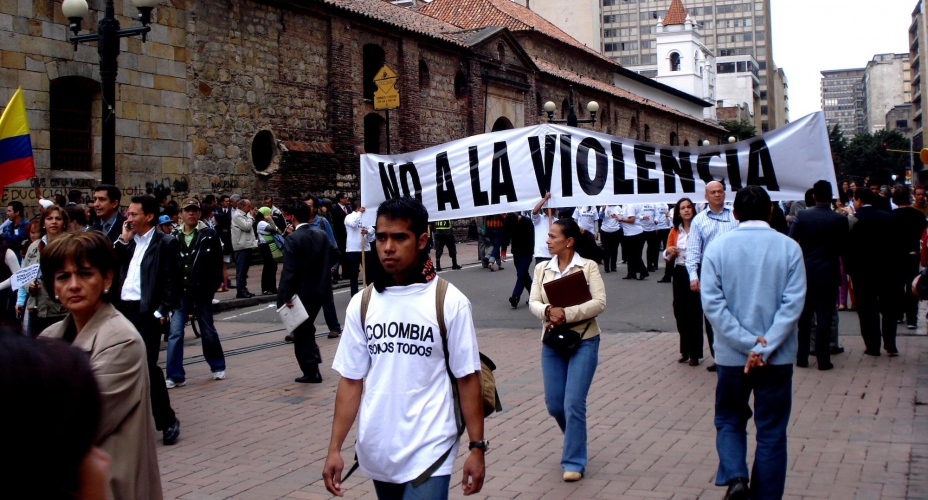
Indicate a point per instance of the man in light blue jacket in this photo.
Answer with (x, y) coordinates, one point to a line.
(753, 292)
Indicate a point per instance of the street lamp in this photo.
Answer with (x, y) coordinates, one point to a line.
(572, 120)
(732, 140)
(107, 38)
(705, 142)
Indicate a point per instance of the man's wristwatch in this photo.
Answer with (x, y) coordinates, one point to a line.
(480, 445)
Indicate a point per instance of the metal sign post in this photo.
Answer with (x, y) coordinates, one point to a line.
(386, 97)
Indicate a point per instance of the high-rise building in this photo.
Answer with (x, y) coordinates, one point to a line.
(918, 65)
(843, 100)
(728, 29)
(886, 84)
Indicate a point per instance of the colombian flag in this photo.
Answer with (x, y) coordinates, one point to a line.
(16, 161)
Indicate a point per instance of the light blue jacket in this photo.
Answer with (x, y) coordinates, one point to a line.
(753, 284)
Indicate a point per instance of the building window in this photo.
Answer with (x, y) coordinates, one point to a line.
(71, 129)
(674, 61)
(686, 142)
(425, 78)
(673, 138)
(565, 109)
(460, 85)
(501, 51)
(502, 123)
(263, 150)
(633, 129)
(647, 133)
(763, 109)
(374, 59)
(902, 124)
(374, 133)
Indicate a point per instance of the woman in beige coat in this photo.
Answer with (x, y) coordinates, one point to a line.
(33, 303)
(78, 270)
(568, 375)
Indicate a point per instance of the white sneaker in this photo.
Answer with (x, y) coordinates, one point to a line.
(172, 384)
(219, 375)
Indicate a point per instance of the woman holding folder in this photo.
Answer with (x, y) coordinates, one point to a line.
(568, 366)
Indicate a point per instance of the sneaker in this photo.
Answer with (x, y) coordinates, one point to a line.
(172, 384)
(911, 326)
(455, 267)
(220, 375)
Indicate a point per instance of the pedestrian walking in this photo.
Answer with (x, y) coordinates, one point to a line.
(687, 308)
(754, 300)
(147, 281)
(321, 224)
(308, 258)
(610, 234)
(358, 242)
(80, 269)
(444, 237)
(408, 428)
(520, 232)
(224, 228)
(494, 234)
(270, 253)
(822, 235)
(542, 220)
(910, 224)
(243, 242)
(633, 238)
(200, 270)
(568, 371)
(707, 225)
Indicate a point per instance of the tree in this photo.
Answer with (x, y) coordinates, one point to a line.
(741, 129)
(838, 150)
(868, 157)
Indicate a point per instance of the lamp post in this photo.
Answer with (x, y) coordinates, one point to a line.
(572, 120)
(732, 140)
(107, 38)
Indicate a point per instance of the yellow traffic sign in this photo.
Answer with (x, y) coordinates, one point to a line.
(386, 96)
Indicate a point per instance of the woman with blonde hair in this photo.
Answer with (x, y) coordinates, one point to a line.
(33, 304)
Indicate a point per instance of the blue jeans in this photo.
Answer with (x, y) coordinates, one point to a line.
(434, 488)
(523, 278)
(202, 308)
(495, 236)
(242, 263)
(772, 386)
(567, 380)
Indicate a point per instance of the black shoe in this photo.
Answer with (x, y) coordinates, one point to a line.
(607, 271)
(306, 379)
(911, 326)
(738, 490)
(872, 353)
(269, 292)
(823, 368)
(802, 364)
(628, 278)
(642, 278)
(229, 285)
(836, 350)
(455, 267)
(244, 295)
(711, 368)
(334, 335)
(486, 263)
(437, 269)
(683, 359)
(893, 353)
(664, 280)
(694, 362)
(169, 435)
(288, 338)
(514, 301)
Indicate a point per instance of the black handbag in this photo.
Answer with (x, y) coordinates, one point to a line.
(563, 339)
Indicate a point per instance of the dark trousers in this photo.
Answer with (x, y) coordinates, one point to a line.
(269, 273)
(36, 325)
(662, 235)
(443, 240)
(878, 300)
(653, 240)
(820, 304)
(331, 317)
(772, 387)
(687, 309)
(353, 266)
(611, 246)
(523, 278)
(149, 328)
(242, 263)
(304, 343)
(909, 305)
(631, 250)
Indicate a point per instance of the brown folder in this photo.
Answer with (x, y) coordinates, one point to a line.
(568, 291)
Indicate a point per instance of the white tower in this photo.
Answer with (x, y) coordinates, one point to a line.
(683, 61)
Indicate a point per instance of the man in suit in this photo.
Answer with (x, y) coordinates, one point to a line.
(910, 224)
(308, 257)
(822, 235)
(148, 265)
(106, 205)
(871, 249)
(223, 218)
(339, 212)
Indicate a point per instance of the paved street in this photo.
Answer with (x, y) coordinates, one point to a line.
(857, 432)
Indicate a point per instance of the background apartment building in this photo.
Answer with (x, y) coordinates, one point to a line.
(918, 66)
(843, 100)
(728, 29)
(886, 84)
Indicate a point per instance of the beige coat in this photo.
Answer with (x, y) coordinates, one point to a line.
(582, 314)
(127, 428)
(47, 306)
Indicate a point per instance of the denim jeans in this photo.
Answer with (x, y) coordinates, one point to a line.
(242, 263)
(434, 488)
(772, 386)
(495, 236)
(567, 380)
(202, 308)
(523, 278)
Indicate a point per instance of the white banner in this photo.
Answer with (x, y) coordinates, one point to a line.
(24, 276)
(510, 171)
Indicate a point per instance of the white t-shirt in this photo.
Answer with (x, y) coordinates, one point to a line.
(646, 217)
(586, 218)
(630, 228)
(542, 224)
(406, 420)
(609, 224)
(661, 221)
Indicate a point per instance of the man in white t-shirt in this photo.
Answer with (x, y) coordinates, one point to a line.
(407, 419)
(632, 243)
(542, 218)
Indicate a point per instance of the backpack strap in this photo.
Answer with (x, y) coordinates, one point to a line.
(365, 301)
(441, 290)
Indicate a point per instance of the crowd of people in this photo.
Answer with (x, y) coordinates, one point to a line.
(762, 280)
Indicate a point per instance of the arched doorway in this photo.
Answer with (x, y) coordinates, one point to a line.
(375, 135)
(502, 123)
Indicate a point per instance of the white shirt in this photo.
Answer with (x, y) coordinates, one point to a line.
(681, 247)
(661, 221)
(586, 218)
(576, 261)
(12, 263)
(645, 217)
(610, 225)
(353, 227)
(631, 228)
(542, 224)
(406, 419)
(132, 287)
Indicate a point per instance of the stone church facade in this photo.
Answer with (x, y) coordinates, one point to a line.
(274, 97)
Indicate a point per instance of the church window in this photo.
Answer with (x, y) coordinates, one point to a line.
(374, 59)
(674, 61)
(71, 130)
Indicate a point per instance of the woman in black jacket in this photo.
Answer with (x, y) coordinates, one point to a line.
(519, 233)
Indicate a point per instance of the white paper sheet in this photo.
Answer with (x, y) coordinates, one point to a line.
(293, 316)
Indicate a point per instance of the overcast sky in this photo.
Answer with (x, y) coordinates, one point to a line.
(814, 35)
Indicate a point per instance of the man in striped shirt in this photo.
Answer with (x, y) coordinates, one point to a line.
(706, 226)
